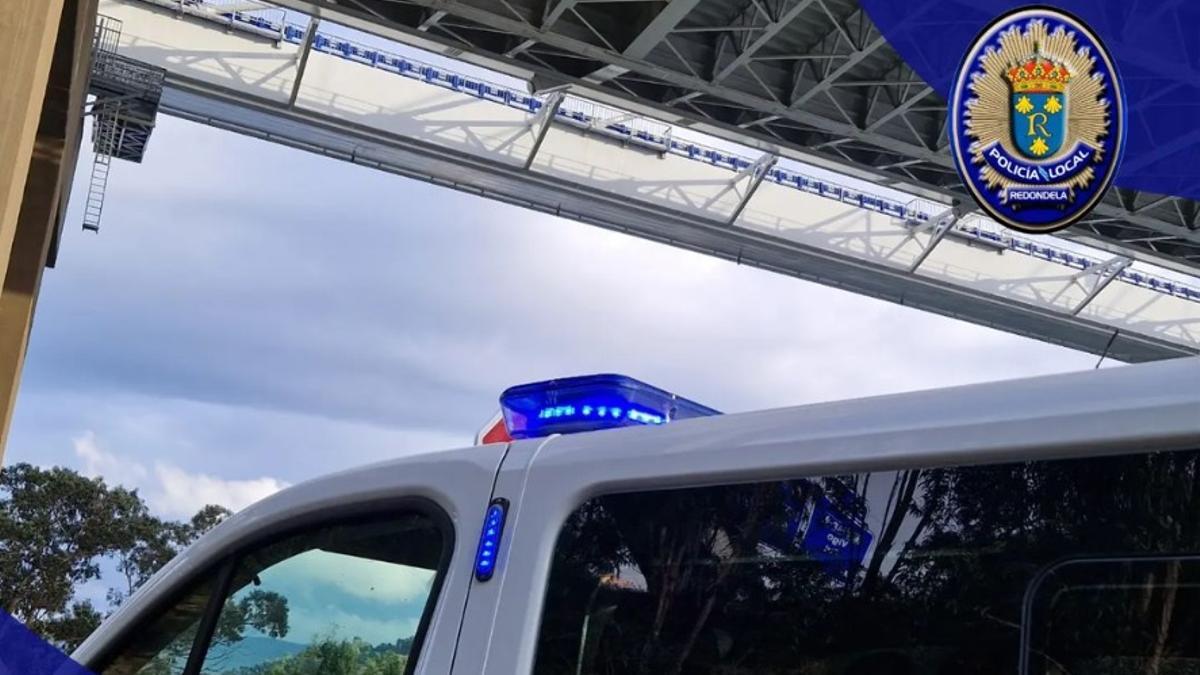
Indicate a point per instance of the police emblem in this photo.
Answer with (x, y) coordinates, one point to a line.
(1037, 120)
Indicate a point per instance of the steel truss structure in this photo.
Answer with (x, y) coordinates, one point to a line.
(814, 77)
(1057, 304)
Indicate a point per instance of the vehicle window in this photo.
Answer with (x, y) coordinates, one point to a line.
(891, 573)
(1117, 615)
(161, 647)
(342, 600)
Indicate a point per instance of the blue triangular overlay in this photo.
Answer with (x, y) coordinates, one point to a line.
(1155, 46)
(24, 653)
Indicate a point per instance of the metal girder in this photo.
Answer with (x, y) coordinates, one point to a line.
(430, 21)
(310, 35)
(684, 98)
(843, 68)
(900, 109)
(878, 83)
(100, 106)
(525, 30)
(520, 47)
(249, 6)
(1104, 273)
(555, 10)
(1154, 203)
(757, 172)
(938, 226)
(542, 122)
(648, 38)
(768, 33)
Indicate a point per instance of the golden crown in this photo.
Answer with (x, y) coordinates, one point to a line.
(1038, 76)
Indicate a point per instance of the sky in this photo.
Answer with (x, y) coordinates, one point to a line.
(373, 600)
(251, 316)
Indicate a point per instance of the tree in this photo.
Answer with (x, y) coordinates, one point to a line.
(56, 527)
(333, 656)
(149, 543)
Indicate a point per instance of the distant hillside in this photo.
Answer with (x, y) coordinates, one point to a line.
(252, 651)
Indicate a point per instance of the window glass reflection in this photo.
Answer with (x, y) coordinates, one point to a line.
(1117, 615)
(161, 647)
(340, 601)
(918, 571)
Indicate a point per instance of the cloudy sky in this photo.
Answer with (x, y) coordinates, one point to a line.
(251, 316)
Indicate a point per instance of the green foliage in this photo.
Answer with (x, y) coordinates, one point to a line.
(56, 527)
(72, 626)
(264, 611)
(330, 656)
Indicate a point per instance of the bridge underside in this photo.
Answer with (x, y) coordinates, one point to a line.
(813, 77)
(293, 80)
(306, 131)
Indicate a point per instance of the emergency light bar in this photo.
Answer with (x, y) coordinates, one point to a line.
(591, 402)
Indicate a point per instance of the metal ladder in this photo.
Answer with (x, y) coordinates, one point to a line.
(105, 146)
(105, 41)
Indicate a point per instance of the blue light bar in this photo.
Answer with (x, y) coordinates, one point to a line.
(591, 402)
(489, 539)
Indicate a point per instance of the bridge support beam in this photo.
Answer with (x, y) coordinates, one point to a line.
(310, 35)
(757, 172)
(540, 124)
(1104, 273)
(45, 55)
(939, 226)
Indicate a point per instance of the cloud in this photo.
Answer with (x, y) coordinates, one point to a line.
(374, 580)
(387, 301)
(181, 492)
(308, 625)
(169, 490)
(100, 464)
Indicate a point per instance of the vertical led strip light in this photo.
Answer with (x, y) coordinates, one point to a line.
(489, 539)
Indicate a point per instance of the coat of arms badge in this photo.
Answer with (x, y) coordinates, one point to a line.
(1037, 120)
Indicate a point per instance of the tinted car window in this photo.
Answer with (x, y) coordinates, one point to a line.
(342, 600)
(350, 598)
(942, 571)
(162, 645)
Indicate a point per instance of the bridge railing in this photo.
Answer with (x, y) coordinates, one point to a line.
(252, 16)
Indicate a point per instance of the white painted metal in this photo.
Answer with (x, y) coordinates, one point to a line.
(310, 34)
(1102, 274)
(755, 173)
(977, 257)
(201, 48)
(457, 481)
(541, 123)
(938, 227)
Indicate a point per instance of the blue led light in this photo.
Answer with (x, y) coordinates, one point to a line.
(589, 403)
(489, 540)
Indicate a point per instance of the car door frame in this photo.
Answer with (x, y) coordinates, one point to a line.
(452, 487)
